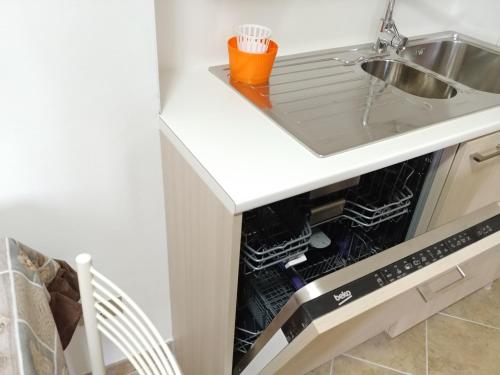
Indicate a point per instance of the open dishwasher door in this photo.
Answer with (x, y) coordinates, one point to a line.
(391, 291)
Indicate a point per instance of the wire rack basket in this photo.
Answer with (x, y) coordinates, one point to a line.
(266, 293)
(247, 331)
(382, 196)
(263, 295)
(354, 246)
(269, 239)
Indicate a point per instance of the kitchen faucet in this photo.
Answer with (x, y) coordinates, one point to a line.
(388, 34)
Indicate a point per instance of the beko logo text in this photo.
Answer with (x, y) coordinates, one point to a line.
(343, 296)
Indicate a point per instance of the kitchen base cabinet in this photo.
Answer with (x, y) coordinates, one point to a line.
(473, 181)
(282, 288)
(203, 254)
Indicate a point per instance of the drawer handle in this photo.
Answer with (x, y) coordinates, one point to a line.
(478, 157)
(461, 272)
(428, 292)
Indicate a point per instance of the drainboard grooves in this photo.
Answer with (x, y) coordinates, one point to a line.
(306, 60)
(398, 109)
(326, 94)
(351, 79)
(346, 107)
(348, 55)
(312, 69)
(306, 66)
(276, 82)
(345, 99)
(312, 56)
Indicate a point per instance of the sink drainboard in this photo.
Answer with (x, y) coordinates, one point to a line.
(330, 101)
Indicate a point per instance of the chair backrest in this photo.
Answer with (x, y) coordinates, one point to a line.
(108, 311)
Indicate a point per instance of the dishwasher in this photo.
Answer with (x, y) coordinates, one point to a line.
(326, 270)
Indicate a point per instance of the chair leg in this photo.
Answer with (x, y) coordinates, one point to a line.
(84, 263)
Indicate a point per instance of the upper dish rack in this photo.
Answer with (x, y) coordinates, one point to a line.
(278, 233)
(266, 292)
(272, 235)
(381, 196)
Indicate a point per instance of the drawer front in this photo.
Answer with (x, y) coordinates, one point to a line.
(473, 181)
(391, 292)
(475, 274)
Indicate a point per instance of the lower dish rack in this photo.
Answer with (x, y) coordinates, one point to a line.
(354, 247)
(266, 292)
(247, 331)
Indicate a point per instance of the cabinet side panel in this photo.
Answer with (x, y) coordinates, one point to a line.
(203, 253)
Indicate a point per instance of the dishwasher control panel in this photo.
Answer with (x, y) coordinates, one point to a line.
(436, 251)
(358, 288)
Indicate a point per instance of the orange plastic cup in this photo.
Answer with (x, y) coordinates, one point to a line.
(251, 68)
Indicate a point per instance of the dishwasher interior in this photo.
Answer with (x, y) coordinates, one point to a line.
(295, 241)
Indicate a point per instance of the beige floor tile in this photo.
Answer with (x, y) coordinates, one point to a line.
(405, 353)
(483, 306)
(349, 366)
(322, 370)
(462, 348)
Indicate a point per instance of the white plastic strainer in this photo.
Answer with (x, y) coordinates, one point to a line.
(253, 38)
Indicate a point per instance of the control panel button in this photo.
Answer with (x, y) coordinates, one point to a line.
(435, 252)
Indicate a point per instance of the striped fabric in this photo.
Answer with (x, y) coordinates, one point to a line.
(29, 342)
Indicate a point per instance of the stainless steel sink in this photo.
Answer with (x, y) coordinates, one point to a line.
(337, 99)
(477, 67)
(408, 79)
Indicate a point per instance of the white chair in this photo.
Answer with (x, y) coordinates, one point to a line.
(107, 310)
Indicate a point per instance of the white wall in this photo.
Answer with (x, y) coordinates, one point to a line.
(194, 32)
(79, 148)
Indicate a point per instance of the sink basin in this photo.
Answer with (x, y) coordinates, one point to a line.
(408, 79)
(473, 66)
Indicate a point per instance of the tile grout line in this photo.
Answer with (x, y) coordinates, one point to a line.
(426, 347)
(376, 364)
(331, 366)
(469, 321)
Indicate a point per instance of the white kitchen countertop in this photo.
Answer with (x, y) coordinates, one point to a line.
(250, 161)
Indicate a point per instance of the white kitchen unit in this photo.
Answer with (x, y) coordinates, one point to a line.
(280, 259)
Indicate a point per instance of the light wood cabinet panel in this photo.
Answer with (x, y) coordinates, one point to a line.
(203, 254)
(470, 184)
